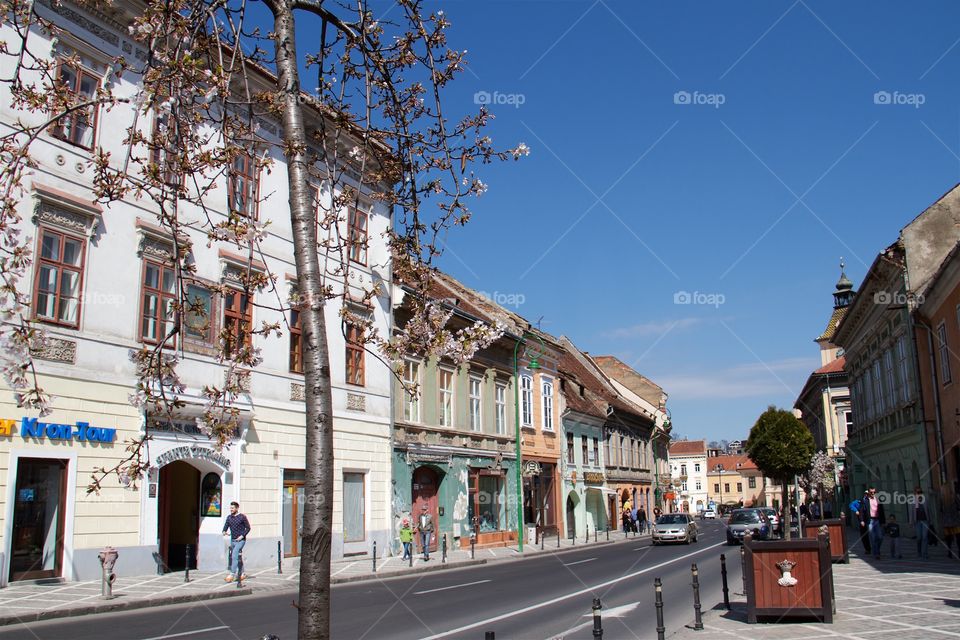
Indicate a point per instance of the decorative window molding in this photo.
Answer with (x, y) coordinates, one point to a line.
(65, 211)
(234, 266)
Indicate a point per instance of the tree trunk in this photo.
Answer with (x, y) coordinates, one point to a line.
(314, 608)
(786, 509)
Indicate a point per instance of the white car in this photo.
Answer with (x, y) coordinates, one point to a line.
(708, 513)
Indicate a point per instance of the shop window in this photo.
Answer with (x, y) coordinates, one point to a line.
(244, 186)
(79, 127)
(485, 504)
(212, 496)
(355, 355)
(357, 235)
(59, 278)
(237, 320)
(157, 302)
(296, 342)
(354, 507)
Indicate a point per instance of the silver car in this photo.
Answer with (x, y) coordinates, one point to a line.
(674, 527)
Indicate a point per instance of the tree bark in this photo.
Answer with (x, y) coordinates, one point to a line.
(785, 490)
(314, 609)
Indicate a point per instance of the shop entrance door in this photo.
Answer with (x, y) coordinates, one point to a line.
(571, 518)
(36, 550)
(179, 521)
(293, 499)
(424, 492)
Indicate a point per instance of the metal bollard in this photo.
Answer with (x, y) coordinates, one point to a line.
(573, 539)
(240, 574)
(743, 569)
(542, 538)
(410, 556)
(186, 573)
(489, 635)
(594, 534)
(586, 537)
(108, 559)
(597, 628)
(658, 603)
(558, 537)
(279, 559)
(473, 545)
(443, 550)
(608, 533)
(374, 556)
(697, 617)
(723, 579)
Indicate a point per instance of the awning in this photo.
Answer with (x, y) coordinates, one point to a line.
(603, 490)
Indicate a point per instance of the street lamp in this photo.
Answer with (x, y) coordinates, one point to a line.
(533, 364)
(719, 469)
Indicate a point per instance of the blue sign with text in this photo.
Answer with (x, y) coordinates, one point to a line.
(82, 431)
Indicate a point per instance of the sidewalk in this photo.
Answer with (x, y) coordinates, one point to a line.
(27, 602)
(876, 600)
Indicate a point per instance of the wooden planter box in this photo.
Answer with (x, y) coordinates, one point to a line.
(837, 530)
(810, 596)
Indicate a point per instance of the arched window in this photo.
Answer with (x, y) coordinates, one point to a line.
(211, 493)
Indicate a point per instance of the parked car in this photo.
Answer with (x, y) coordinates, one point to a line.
(674, 527)
(773, 517)
(708, 514)
(744, 521)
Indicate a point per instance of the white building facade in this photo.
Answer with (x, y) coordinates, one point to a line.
(688, 467)
(115, 259)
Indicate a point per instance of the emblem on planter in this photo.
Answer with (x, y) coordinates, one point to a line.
(786, 580)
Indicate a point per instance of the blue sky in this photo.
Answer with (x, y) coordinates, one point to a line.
(734, 149)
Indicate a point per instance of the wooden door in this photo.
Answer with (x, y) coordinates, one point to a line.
(424, 492)
(292, 516)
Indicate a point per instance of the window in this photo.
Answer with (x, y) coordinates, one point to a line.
(500, 400)
(683, 487)
(353, 507)
(595, 458)
(620, 457)
(546, 388)
(243, 186)
(78, 128)
(165, 139)
(584, 450)
(726, 487)
(606, 451)
(716, 487)
(237, 320)
(879, 396)
(752, 482)
(486, 501)
(526, 400)
(296, 342)
(740, 487)
(888, 380)
(157, 302)
(445, 386)
(355, 355)
(476, 402)
(357, 235)
(904, 367)
(197, 314)
(59, 283)
(411, 380)
(696, 467)
(698, 486)
(570, 458)
(944, 353)
(683, 469)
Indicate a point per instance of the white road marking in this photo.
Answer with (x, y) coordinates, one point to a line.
(341, 569)
(188, 633)
(615, 612)
(570, 564)
(572, 594)
(456, 586)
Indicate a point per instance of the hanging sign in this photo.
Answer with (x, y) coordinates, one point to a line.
(531, 468)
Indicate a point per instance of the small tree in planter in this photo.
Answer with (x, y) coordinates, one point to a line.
(781, 447)
(819, 477)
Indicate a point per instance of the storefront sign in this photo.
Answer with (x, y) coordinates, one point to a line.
(33, 428)
(593, 477)
(195, 452)
(531, 468)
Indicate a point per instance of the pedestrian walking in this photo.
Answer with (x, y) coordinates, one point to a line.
(236, 527)
(892, 529)
(643, 520)
(919, 520)
(406, 538)
(814, 510)
(873, 516)
(857, 518)
(625, 520)
(634, 519)
(425, 531)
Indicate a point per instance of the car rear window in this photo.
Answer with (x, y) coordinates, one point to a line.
(744, 516)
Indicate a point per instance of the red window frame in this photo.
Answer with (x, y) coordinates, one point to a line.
(245, 179)
(296, 342)
(355, 366)
(357, 222)
(60, 267)
(90, 116)
(163, 297)
(237, 320)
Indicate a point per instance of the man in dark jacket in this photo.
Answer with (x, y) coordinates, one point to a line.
(857, 521)
(873, 517)
(237, 527)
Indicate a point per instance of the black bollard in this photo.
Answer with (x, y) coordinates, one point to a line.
(573, 539)
(240, 574)
(594, 534)
(697, 617)
(473, 544)
(586, 538)
(489, 635)
(558, 537)
(608, 533)
(743, 569)
(186, 574)
(597, 628)
(374, 556)
(658, 603)
(723, 578)
(279, 558)
(443, 553)
(542, 538)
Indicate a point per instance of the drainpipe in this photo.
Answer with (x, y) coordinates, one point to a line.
(938, 426)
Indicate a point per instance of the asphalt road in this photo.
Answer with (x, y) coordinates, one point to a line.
(541, 597)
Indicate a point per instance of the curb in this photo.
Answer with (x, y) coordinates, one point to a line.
(407, 572)
(111, 606)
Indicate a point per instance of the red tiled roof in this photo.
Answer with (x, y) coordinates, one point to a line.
(688, 448)
(832, 367)
(832, 324)
(730, 462)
